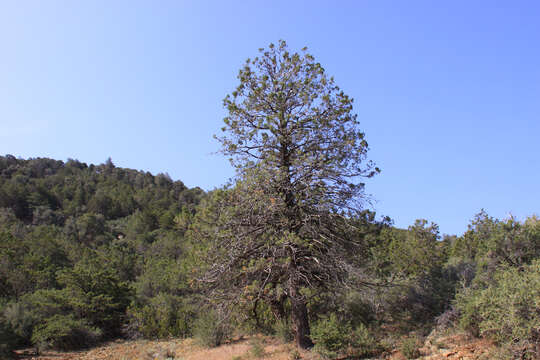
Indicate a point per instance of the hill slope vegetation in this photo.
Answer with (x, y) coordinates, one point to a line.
(90, 253)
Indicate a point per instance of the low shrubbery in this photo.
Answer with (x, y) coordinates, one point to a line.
(508, 310)
(211, 330)
(409, 347)
(283, 330)
(164, 316)
(256, 348)
(64, 332)
(363, 343)
(333, 336)
(89, 251)
(8, 339)
(20, 322)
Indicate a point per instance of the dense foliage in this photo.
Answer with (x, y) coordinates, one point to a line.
(89, 253)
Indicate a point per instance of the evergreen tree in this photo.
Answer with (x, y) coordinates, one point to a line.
(283, 230)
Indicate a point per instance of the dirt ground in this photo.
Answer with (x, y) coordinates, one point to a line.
(449, 347)
(453, 347)
(162, 350)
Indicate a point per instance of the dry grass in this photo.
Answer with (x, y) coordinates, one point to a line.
(448, 347)
(174, 349)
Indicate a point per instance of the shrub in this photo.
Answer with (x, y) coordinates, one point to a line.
(257, 348)
(333, 336)
(164, 316)
(211, 330)
(507, 310)
(94, 288)
(282, 329)
(330, 336)
(409, 347)
(8, 339)
(387, 343)
(21, 321)
(359, 308)
(64, 332)
(363, 343)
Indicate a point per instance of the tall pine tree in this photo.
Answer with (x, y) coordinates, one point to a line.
(282, 230)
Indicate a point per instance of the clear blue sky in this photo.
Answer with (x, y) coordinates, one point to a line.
(448, 92)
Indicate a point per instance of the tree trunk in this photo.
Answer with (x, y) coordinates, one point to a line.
(277, 307)
(299, 317)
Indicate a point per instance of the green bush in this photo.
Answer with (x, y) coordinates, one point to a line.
(409, 347)
(64, 332)
(91, 290)
(21, 321)
(507, 310)
(359, 308)
(332, 337)
(211, 330)
(283, 331)
(164, 316)
(362, 343)
(8, 339)
(94, 289)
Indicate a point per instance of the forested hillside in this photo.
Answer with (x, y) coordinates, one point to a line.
(95, 252)
(86, 250)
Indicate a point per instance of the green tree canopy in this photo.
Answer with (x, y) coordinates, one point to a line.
(300, 158)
